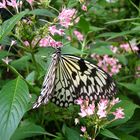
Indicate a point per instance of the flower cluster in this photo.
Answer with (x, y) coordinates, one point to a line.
(129, 47)
(98, 115)
(108, 64)
(79, 36)
(66, 17)
(49, 41)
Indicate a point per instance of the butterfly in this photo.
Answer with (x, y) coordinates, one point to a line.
(70, 77)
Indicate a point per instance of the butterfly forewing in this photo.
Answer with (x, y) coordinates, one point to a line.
(48, 83)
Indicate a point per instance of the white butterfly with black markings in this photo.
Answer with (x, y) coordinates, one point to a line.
(70, 77)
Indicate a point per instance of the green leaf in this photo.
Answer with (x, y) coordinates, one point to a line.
(122, 59)
(83, 25)
(71, 50)
(42, 12)
(109, 134)
(9, 24)
(95, 29)
(3, 54)
(131, 86)
(21, 63)
(71, 134)
(102, 50)
(129, 108)
(125, 136)
(14, 99)
(28, 129)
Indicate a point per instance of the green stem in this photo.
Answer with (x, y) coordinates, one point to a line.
(35, 63)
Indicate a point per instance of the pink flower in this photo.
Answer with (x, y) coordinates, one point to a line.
(119, 114)
(3, 4)
(26, 43)
(102, 105)
(101, 113)
(83, 128)
(109, 64)
(68, 38)
(79, 36)
(114, 49)
(127, 47)
(30, 2)
(53, 31)
(84, 7)
(66, 16)
(79, 101)
(48, 41)
(115, 101)
(82, 113)
(13, 3)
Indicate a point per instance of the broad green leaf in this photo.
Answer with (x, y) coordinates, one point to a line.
(83, 25)
(42, 12)
(21, 63)
(29, 129)
(131, 86)
(125, 136)
(9, 24)
(109, 134)
(71, 134)
(31, 77)
(14, 99)
(3, 54)
(129, 108)
(71, 50)
(122, 59)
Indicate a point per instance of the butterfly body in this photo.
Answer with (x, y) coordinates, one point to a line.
(70, 77)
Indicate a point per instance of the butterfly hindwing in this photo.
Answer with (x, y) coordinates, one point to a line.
(76, 77)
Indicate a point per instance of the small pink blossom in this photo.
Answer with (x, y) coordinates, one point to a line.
(128, 48)
(109, 64)
(3, 4)
(13, 3)
(114, 101)
(79, 101)
(53, 31)
(48, 41)
(66, 16)
(82, 113)
(83, 129)
(101, 113)
(30, 2)
(68, 38)
(86, 108)
(102, 105)
(119, 114)
(26, 43)
(79, 36)
(114, 49)
(84, 7)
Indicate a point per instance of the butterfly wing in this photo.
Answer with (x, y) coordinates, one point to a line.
(48, 83)
(76, 77)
